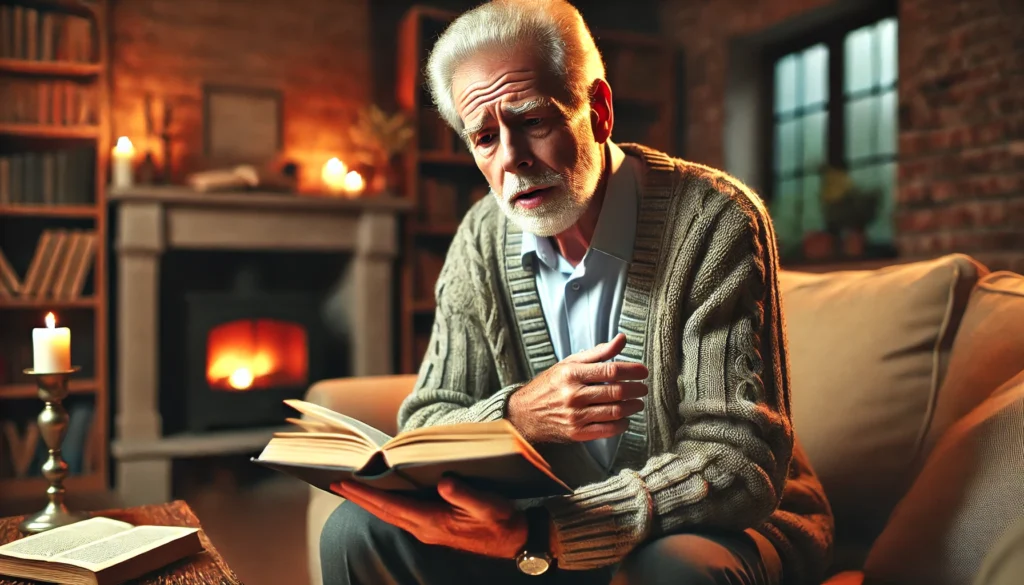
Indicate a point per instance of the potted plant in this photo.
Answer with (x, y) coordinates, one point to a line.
(848, 209)
(379, 138)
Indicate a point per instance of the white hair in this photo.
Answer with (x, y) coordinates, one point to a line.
(553, 27)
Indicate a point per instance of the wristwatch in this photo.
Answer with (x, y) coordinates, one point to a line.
(535, 559)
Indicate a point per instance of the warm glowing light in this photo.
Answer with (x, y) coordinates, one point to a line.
(334, 175)
(124, 147)
(51, 321)
(254, 354)
(354, 183)
(241, 379)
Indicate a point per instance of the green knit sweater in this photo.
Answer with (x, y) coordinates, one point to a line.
(714, 446)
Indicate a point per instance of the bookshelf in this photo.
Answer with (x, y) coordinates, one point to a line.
(442, 180)
(54, 132)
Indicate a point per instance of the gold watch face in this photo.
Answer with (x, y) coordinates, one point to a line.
(533, 564)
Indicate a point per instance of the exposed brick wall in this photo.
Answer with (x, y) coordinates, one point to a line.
(961, 143)
(961, 93)
(316, 52)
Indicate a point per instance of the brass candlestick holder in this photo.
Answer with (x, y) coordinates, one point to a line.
(53, 426)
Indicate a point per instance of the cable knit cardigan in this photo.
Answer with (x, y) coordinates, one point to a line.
(714, 446)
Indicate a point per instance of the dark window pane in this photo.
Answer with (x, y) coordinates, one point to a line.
(813, 219)
(815, 76)
(785, 84)
(786, 146)
(887, 123)
(887, 51)
(815, 137)
(880, 231)
(860, 124)
(859, 67)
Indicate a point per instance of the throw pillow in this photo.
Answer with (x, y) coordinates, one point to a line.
(968, 494)
(988, 350)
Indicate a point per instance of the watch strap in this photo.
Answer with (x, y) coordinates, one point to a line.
(538, 531)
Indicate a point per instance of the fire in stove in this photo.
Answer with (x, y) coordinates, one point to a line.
(254, 354)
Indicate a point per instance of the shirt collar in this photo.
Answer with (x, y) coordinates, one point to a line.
(615, 232)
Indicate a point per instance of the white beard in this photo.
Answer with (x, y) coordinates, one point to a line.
(563, 206)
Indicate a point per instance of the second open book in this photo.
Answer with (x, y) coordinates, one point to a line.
(332, 447)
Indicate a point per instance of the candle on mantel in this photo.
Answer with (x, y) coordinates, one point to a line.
(354, 183)
(121, 163)
(51, 347)
(333, 175)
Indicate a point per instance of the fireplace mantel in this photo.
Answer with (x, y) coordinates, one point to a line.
(153, 220)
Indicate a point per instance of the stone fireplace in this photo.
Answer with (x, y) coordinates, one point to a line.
(219, 317)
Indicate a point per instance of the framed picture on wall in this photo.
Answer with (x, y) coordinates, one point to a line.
(241, 124)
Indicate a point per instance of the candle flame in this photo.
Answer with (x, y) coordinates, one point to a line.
(124, 146)
(51, 321)
(333, 175)
(354, 182)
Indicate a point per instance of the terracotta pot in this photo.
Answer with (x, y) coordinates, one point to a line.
(854, 244)
(819, 246)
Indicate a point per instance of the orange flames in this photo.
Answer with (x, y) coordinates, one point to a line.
(251, 354)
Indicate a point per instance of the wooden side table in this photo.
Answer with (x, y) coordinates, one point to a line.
(206, 567)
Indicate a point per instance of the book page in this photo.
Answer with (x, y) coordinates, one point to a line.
(120, 547)
(340, 422)
(46, 545)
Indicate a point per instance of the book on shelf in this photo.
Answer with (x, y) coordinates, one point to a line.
(49, 102)
(332, 447)
(36, 34)
(9, 279)
(59, 177)
(97, 551)
(59, 267)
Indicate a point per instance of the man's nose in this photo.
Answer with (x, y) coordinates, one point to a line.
(515, 154)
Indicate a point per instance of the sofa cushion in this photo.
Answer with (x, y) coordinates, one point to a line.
(867, 352)
(988, 350)
(968, 494)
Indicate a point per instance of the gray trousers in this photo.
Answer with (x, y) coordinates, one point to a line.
(357, 548)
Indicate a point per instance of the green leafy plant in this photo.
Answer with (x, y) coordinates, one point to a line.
(380, 136)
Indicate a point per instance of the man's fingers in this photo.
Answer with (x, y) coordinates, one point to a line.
(601, 430)
(610, 372)
(614, 411)
(601, 352)
(391, 508)
(607, 393)
(477, 503)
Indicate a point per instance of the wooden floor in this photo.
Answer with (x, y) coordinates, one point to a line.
(256, 521)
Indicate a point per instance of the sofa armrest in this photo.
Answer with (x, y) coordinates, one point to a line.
(373, 400)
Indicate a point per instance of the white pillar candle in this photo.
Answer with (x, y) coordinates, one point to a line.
(121, 163)
(51, 347)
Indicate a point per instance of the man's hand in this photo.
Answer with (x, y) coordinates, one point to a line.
(581, 398)
(468, 520)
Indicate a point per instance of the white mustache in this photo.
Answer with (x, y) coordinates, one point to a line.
(516, 184)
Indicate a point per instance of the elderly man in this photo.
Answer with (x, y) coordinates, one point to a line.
(621, 309)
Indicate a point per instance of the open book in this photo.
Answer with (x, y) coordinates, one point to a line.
(333, 447)
(97, 551)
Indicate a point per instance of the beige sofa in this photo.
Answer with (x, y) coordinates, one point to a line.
(894, 396)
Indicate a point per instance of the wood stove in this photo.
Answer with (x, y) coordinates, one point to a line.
(247, 352)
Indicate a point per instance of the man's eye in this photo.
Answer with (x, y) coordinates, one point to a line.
(533, 122)
(484, 139)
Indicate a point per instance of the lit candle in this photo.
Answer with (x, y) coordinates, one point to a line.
(333, 175)
(354, 183)
(51, 347)
(121, 163)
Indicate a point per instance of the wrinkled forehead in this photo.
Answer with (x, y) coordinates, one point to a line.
(514, 81)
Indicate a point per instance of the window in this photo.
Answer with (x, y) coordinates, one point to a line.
(834, 137)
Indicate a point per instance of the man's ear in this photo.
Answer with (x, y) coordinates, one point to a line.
(602, 115)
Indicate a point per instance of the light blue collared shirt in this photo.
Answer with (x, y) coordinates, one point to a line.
(582, 304)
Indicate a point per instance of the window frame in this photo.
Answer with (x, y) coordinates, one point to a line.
(833, 37)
